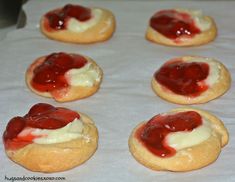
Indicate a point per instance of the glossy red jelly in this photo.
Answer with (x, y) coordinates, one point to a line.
(43, 116)
(173, 24)
(152, 135)
(49, 76)
(183, 77)
(58, 18)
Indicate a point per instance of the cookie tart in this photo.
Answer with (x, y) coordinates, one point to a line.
(64, 77)
(191, 80)
(50, 139)
(78, 24)
(181, 27)
(183, 139)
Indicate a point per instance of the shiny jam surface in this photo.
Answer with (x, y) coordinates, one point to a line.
(152, 134)
(173, 24)
(42, 116)
(49, 76)
(57, 19)
(183, 78)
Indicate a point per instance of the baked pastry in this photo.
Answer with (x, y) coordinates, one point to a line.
(78, 24)
(50, 139)
(65, 77)
(191, 80)
(183, 139)
(181, 27)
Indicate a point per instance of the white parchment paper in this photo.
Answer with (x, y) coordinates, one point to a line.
(125, 98)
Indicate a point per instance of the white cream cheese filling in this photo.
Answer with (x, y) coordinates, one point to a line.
(185, 139)
(201, 22)
(77, 26)
(214, 69)
(69, 132)
(86, 76)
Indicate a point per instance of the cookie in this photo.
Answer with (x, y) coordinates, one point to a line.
(50, 139)
(183, 139)
(191, 80)
(78, 24)
(181, 27)
(64, 76)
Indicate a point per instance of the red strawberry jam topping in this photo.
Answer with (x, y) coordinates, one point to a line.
(50, 75)
(183, 78)
(57, 19)
(42, 116)
(173, 24)
(153, 134)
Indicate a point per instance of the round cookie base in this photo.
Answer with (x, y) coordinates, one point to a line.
(100, 32)
(199, 39)
(187, 159)
(67, 94)
(49, 158)
(214, 91)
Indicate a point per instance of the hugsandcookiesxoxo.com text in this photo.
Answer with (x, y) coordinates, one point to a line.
(33, 178)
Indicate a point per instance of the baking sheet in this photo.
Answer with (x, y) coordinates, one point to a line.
(125, 97)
